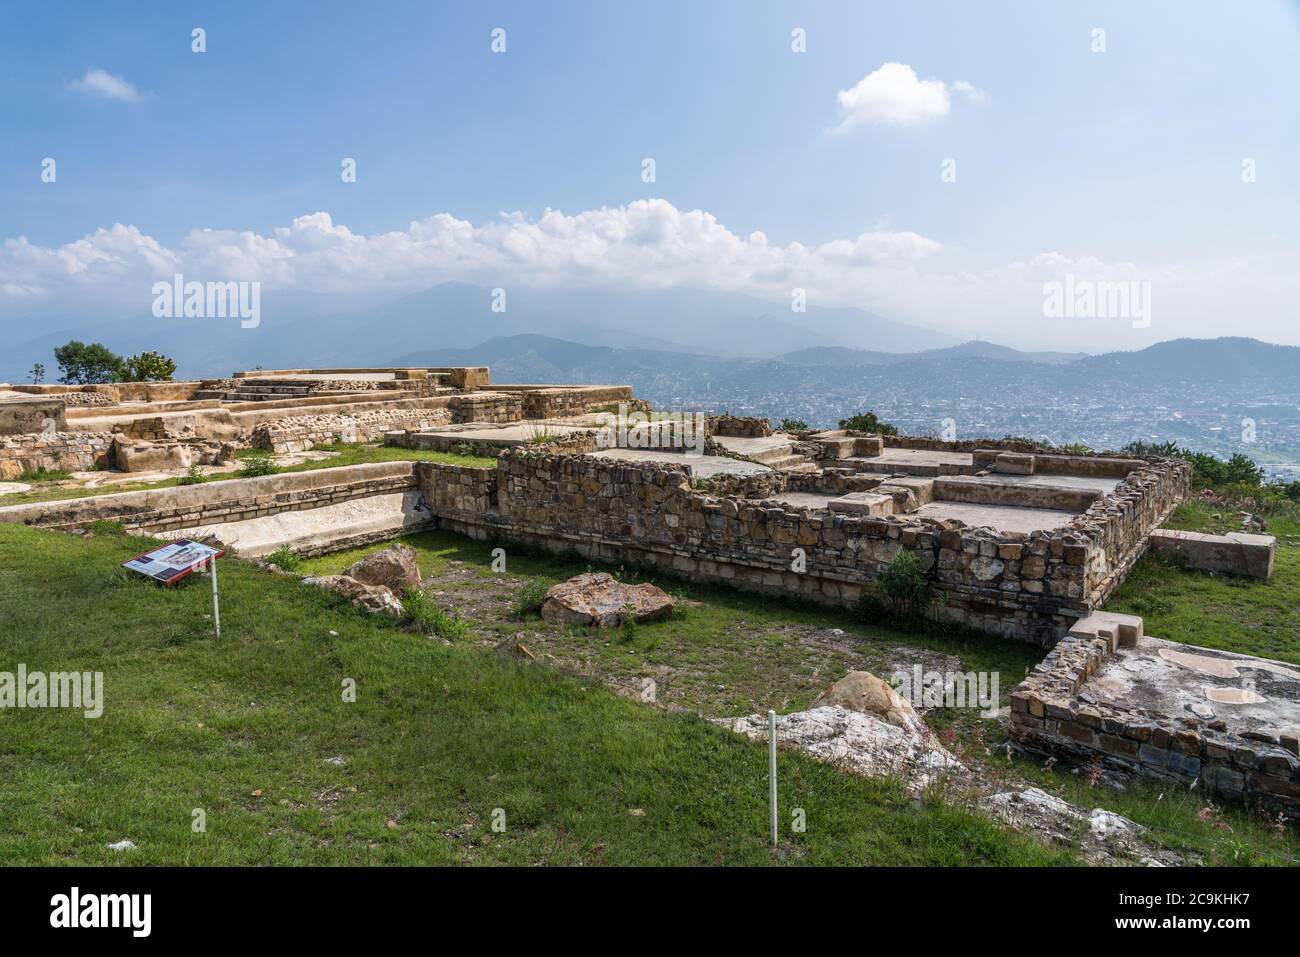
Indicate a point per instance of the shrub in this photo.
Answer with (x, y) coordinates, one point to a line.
(1207, 470)
(285, 559)
(792, 425)
(868, 422)
(529, 598)
(149, 367)
(904, 586)
(258, 463)
(192, 476)
(429, 618)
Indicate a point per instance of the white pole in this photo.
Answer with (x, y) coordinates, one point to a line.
(216, 610)
(771, 768)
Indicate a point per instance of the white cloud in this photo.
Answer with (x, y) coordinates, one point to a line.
(649, 243)
(896, 96)
(104, 84)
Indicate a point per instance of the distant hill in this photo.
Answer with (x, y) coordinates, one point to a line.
(1231, 357)
(299, 331)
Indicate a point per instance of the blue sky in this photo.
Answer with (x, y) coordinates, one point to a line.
(1123, 163)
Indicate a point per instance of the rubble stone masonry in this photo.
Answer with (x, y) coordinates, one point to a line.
(1054, 714)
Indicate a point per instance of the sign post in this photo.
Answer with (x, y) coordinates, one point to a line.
(177, 560)
(216, 607)
(771, 769)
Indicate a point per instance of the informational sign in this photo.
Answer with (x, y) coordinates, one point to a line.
(172, 562)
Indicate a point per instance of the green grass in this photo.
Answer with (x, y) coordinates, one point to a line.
(438, 737)
(352, 454)
(726, 652)
(1220, 611)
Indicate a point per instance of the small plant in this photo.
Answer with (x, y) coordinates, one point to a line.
(529, 598)
(285, 559)
(45, 475)
(258, 463)
(904, 586)
(192, 476)
(540, 434)
(792, 425)
(429, 618)
(627, 625)
(463, 448)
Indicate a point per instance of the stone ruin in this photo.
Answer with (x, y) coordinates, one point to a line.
(1014, 540)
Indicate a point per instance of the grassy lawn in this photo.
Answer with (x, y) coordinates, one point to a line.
(1220, 611)
(735, 653)
(46, 488)
(253, 730)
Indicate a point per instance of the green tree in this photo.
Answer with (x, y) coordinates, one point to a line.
(37, 373)
(83, 364)
(149, 367)
(867, 422)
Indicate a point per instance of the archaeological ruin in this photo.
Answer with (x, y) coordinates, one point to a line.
(1014, 540)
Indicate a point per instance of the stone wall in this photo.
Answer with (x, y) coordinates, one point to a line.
(299, 433)
(558, 403)
(1237, 553)
(457, 491)
(745, 428)
(495, 407)
(71, 451)
(1021, 586)
(1054, 714)
(30, 415)
(229, 500)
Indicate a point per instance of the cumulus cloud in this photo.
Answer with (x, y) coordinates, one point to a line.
(103, 84)
(645, 244)
(894, 95)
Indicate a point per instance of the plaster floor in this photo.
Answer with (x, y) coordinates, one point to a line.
(777, 442)
(1005, 518)
(1180, 680)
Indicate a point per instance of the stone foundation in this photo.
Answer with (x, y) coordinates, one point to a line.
(1055, 712)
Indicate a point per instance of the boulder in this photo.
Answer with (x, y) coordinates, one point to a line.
(858, 741)
(393, 568)
(373, 598)
(148, 457)
(597, 599)
(864, 692)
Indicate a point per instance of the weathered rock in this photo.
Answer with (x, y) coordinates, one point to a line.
(393, 568)
(864, 692)
(148, 457)
(859, 741)
(1101, 836)
(596, 598)
(373, 598)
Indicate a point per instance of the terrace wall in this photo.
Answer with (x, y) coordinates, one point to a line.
(71, 451)
(230, 500)
(1054, 715)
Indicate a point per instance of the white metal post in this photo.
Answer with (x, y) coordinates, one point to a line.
(771, 768)
(216, 609)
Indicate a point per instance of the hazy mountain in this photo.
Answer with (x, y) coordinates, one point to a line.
(1195, 392)
(1231, 357)
(299, 331)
